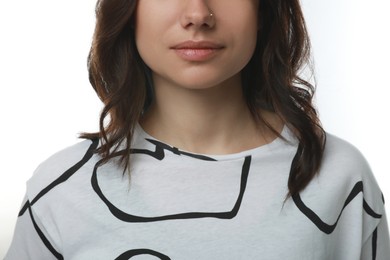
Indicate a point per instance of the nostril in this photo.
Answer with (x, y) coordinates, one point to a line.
(199, 20)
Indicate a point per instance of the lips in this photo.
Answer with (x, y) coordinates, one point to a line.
(198, 45)
(197, 50)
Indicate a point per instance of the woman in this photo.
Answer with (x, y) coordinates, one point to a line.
(209, 147)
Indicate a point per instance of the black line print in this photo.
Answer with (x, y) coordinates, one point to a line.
(159, 154)
(327, 228)
(64, 177)
(24, 208)
(369, 210)
(129, 254)
(189, 215)
(374, 243)
(42, 236)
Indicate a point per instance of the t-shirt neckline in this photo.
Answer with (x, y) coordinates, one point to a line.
(286, 137)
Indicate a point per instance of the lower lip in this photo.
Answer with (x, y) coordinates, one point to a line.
(197, 54)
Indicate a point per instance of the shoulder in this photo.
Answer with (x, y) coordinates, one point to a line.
(346, 168)
(344, 193)
(345, 175)
(61, 165)
(343, 158)
(336, 147)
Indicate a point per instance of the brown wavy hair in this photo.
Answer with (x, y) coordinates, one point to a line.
(271, 80)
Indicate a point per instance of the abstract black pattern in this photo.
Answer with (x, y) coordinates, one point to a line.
(374, 243)
(64, 177)
(42, 236)
(329, 228)
(159, 154)
(135, 252)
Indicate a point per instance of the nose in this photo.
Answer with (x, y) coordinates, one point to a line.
(198, 15)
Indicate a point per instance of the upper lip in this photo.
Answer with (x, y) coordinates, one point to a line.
(198, 45)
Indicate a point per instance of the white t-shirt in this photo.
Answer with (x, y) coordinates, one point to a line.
(183, 206)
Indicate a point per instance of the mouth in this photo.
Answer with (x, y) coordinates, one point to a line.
(197, 50)
(198, 45)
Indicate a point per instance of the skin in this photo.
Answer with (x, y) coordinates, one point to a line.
(199, 105)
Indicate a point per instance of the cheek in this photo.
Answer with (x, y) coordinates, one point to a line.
(145, 36)
(146, 30)
(246, 40)
(243, 28)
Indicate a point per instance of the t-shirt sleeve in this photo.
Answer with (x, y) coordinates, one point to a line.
(377, 246)
(30, 240)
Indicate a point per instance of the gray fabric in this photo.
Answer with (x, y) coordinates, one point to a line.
(179, 205)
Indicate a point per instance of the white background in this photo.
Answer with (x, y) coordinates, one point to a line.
(46, 99)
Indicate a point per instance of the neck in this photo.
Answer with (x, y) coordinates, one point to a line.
(215, 120)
